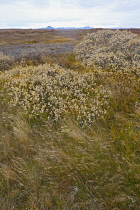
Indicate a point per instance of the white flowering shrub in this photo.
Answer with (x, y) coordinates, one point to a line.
(56, 93)
(109, 49)
(6, 62)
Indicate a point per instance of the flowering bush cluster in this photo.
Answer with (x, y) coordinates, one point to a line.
(56, 92)
(109, 49)
(6, 62)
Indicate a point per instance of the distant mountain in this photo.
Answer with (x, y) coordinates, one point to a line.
(63, 28)
(49, 27)
(87, 27)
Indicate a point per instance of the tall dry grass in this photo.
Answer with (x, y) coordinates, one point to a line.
(63, 165)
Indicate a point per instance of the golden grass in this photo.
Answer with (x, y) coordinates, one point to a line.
(59, 40)
(48, 165)
(19, 36)
(22, 36)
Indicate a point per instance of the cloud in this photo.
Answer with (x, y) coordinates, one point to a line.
(40, 13)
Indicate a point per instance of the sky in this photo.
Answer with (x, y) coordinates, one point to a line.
(69, 13)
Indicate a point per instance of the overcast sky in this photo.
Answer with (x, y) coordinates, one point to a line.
(69, 13)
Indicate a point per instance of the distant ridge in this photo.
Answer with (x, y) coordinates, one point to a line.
(62, 28)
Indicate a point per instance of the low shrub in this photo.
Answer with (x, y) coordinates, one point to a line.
(56, 92)
(6, 62)
(110, 49)
(33, 57)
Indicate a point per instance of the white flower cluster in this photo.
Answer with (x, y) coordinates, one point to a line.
(110, 49)
(56, 92)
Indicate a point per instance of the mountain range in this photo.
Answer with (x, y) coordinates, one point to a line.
(62, 28)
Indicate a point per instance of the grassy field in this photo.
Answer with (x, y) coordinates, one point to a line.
(69, 134)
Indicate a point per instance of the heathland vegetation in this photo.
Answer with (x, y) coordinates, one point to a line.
(70, 120)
